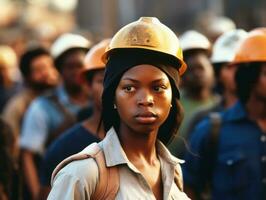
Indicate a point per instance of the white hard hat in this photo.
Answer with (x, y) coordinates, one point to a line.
(69, 41)
(225, 47)
(194, 40)
(220, 25)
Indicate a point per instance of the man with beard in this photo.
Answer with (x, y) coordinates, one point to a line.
(196, 84)
(39, 74)
(236, 168)
(49, 115)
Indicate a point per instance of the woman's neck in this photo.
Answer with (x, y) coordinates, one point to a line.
(138, 145)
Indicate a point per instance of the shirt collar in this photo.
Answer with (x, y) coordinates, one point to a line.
(166, 155)
(113, 151)
(115, 155)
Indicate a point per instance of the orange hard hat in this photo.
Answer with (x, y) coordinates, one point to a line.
(253, 47)
(93, 59)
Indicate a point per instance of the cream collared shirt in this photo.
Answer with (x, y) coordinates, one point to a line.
(78, 179)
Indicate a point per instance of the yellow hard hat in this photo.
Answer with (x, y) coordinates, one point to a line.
(148, 33)
(253, 48)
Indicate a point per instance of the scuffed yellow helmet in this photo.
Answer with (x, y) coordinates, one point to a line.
(148, 33)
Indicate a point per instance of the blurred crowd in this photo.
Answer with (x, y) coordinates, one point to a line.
(50, 105)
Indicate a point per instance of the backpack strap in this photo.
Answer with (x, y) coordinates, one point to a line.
(215, 121)
(212, 146)
(108, 182)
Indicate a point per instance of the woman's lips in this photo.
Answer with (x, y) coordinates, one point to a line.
(146, 118)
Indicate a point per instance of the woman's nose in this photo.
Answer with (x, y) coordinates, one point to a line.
(145, 99)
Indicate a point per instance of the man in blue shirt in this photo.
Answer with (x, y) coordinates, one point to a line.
(50, 114)
(236, 167)
(81, 135)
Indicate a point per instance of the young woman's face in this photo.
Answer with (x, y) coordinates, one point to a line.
(143, 98)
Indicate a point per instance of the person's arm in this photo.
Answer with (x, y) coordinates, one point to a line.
(30, 173)
(34, 131)
(50, 160)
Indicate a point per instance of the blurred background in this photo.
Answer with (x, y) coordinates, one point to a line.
(25, 23)
(44, 20)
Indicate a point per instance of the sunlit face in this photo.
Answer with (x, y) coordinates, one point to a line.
(143, 98)
(43, 72)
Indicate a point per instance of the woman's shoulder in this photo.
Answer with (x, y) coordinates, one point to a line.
(77, 179)
(80, 166)
(81, 169)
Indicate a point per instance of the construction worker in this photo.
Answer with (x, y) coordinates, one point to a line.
(83, 133)
(233, 162)
(223, 53)
(196, 84)
(141, 111)
(49, 115)
(39, 75)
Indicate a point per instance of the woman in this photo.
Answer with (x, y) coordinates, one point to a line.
(140, 107)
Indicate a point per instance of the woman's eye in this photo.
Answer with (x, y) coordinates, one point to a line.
(159, 88)
(129, 88)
